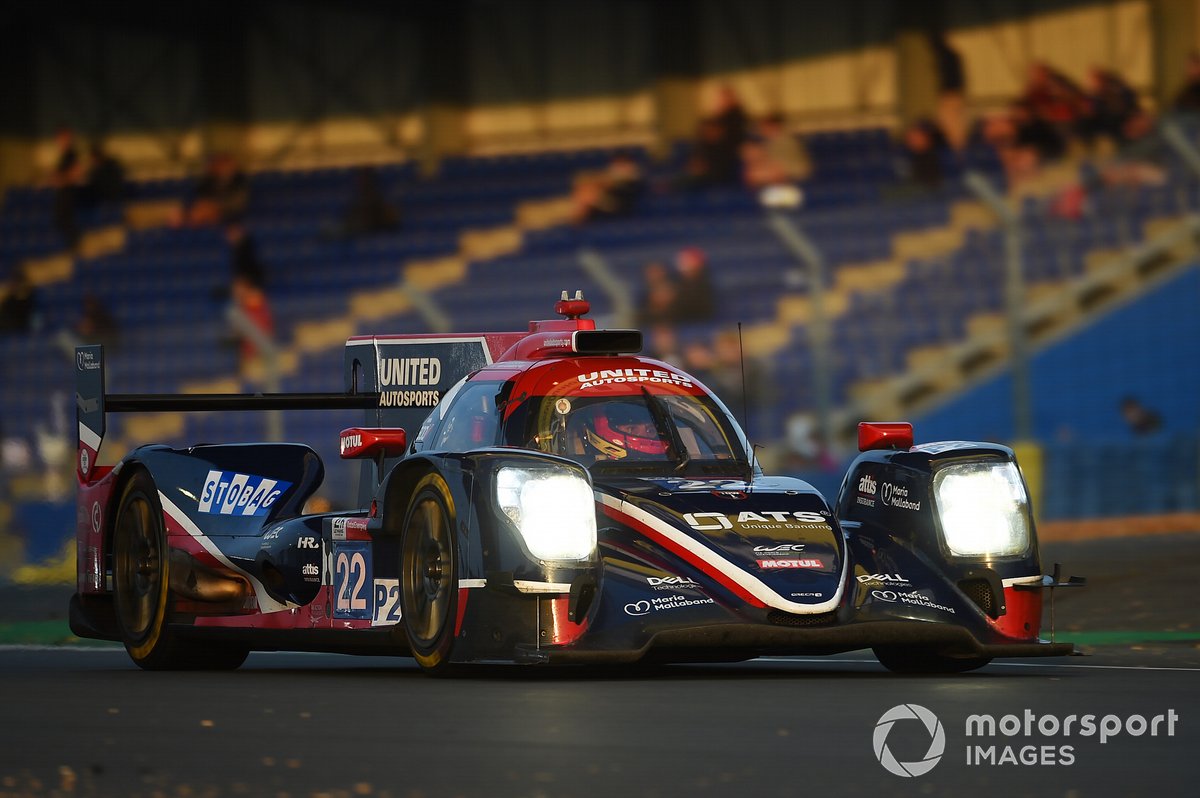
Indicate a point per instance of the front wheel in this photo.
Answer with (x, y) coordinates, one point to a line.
(906, 660)
(429, 576)
(141, 582)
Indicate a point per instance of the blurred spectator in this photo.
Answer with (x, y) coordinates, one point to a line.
(1112, 102)
(317, 505)
(732, 370)
(66, 179)
(105, 179)
(716, 154)
(695, 297)
(610, 194)
(1035, 134)
(922, 168)
(699, 361)
(243, 255)
(221, 195)
(656, 303)
(369, 211)
(252, 302)
(664, 344)
(1140, 419)
(1188, 98)
(730, 119)
(1024, 141)
(1142, 160)
(96, 324)
(18, 308)
(952, 90)
(779, 157)
(1052, 98)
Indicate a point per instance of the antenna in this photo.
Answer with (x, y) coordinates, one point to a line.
(746, 404)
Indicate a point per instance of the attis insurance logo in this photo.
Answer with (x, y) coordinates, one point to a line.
(927, 726)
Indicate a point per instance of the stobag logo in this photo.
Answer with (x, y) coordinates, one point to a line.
(228, 493)
(932, 727)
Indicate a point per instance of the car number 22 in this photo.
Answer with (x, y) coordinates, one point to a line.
(352, 583)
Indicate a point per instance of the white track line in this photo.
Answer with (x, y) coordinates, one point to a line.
(819, 660)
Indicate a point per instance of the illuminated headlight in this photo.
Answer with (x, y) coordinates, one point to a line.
(983, 509)
(554, 511)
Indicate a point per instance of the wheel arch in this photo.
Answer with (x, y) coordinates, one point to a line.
(125, 471)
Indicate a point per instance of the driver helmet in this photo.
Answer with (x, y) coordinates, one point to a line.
(617, 429)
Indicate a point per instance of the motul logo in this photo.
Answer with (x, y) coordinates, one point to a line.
(790, 563)
(353, 441)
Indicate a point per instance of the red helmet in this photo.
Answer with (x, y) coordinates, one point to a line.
(618, 428)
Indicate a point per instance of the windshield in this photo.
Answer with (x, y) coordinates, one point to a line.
(663, 431)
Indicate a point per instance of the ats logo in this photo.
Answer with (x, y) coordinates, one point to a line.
(764, 519)
(228, 493)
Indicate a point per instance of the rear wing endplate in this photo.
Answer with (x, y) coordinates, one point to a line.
(92, 403)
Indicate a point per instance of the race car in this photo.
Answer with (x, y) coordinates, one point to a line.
(547, 496)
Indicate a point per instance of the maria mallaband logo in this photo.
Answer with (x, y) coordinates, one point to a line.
(988, 738)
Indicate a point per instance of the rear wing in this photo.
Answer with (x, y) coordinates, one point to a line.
(93, 403)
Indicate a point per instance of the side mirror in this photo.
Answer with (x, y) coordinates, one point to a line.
(372, 442)
(884, 435)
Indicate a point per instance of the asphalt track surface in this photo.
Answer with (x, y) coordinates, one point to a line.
(83, 721)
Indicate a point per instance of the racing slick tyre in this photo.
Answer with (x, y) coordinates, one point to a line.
(905, 660)
(141, 582)
(429, 576)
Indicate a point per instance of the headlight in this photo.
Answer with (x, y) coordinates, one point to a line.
(983, 509)
(553, 509)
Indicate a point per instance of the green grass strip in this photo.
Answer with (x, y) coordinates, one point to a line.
(43, 633)
(1129, 638)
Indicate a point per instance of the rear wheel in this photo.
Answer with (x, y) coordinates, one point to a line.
(429, 576)
(905, 660)
(141, 583)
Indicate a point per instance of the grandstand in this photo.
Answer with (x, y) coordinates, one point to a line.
(915, 286)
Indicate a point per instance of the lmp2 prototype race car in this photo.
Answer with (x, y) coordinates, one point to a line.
(546, 496)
